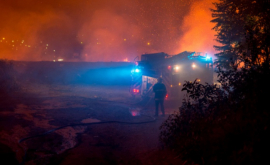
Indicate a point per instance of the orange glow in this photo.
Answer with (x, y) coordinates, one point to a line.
(104, 30)
(198, 34)
(126, 60)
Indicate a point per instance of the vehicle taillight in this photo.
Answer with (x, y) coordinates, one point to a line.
(167, 95)
(136, 90)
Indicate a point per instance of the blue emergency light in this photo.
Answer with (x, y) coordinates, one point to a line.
(135, 70)
(207, 58)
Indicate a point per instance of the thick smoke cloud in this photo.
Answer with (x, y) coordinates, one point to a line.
(197, 29)
(102, 30)
(109, 36)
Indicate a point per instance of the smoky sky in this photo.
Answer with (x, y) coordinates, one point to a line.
(103, 30)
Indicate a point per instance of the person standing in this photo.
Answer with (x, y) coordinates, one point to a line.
(160, 93)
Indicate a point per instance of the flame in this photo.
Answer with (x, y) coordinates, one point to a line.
(103, 30)
(198, 34)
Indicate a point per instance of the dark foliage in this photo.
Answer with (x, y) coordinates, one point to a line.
(243, 30)
(228, 124)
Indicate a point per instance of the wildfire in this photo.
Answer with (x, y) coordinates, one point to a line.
(109, 34)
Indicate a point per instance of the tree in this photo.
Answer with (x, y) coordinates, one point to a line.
(228, 125)
(243, 29)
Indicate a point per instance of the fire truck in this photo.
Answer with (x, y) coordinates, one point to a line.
(174, 70)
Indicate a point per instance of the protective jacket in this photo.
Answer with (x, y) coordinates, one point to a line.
(160, 90)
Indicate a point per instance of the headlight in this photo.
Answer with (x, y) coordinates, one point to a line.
(193, 65)
(176, 68)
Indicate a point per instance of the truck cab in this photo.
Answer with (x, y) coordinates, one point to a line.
(174, 70)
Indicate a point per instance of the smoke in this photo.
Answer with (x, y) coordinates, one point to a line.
(102, 30)
(109, 36)
(197, 29)
(116, 33)
(27, 31)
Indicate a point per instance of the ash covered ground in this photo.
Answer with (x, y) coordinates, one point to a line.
(69, 95)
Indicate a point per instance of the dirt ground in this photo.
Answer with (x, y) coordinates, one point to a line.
(46, 107)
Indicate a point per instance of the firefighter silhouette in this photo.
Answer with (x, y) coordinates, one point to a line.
(160, 92)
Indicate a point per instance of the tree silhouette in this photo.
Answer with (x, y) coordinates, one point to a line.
(228, 124)
(242, 28)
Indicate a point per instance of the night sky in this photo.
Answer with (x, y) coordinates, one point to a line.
(103, 30)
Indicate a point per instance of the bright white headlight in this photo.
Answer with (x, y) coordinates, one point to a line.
(176, 67)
